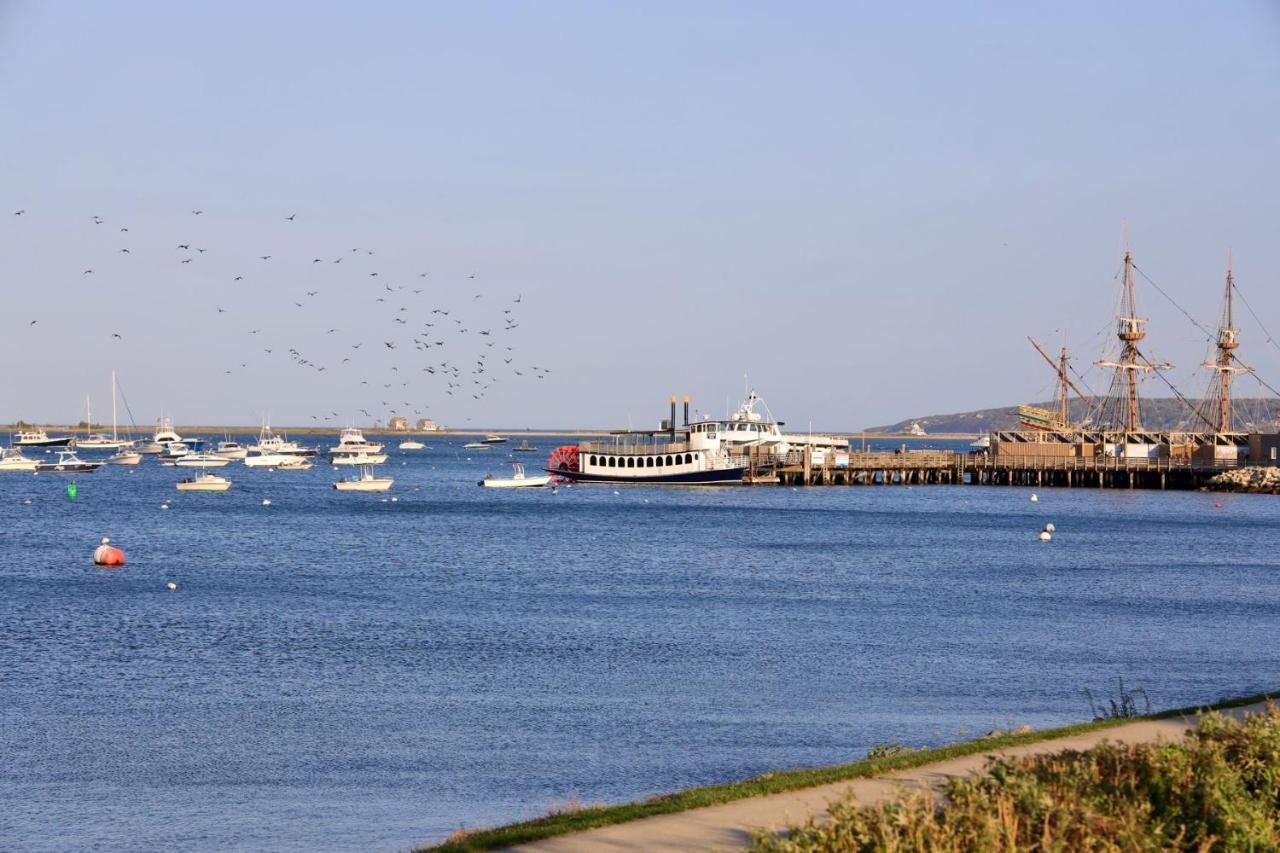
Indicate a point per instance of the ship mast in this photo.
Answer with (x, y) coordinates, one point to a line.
(1225, 364)
(1129, 329)
(1064, 383)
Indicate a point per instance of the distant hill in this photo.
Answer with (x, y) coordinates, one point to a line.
(1158, 413)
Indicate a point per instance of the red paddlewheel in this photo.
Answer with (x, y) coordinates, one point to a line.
(564, 459)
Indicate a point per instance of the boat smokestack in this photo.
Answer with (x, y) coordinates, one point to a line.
(673, 419)
(686, 409)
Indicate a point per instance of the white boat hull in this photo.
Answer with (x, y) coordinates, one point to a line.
(27, 465)
(217, 484)
(201, 462)
(267, 460)
(377, 484)
(360, 459)
(130, 458)
(514, 482)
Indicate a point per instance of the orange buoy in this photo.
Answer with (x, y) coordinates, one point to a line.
(106, 555)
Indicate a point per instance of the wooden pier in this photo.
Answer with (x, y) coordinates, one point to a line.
(981, 469)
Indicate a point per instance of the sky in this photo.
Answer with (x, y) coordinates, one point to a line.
(860, 209)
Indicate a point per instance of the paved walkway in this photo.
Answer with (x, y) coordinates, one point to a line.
(731, 825)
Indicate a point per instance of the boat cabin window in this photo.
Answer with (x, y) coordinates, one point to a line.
(688, 459)
(659, 461)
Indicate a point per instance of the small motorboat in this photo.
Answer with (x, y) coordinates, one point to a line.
(201, 460)
(517, 480)
(67, 463)
(412, 445)
(360, 459)
(204, 482)
(266, 460)
(174, 450)
(364, 482)
(296, 463)
(491, 438)
(352, 441)
(126, 455)
(11, 459)
(231, 450)
(476, 445)
(524, 447)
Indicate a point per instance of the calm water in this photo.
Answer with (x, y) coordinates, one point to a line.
(339, 672)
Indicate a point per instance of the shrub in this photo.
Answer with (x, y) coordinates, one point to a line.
(1217, 790)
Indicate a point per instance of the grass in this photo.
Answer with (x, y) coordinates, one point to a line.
(591, 817)
(1217, 790)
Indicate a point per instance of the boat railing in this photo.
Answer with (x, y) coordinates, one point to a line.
(632, 448)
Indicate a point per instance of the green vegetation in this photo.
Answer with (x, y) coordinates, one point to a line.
(563, 821)
(1217, 790)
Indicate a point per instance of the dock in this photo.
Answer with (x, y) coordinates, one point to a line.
(933, 467)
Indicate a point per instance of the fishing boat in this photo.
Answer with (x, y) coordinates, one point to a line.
(412, 445)
(269, 442)
(173, 451)
(39, 438)
(517, 480)
(295, 463)
(492, 438)
(11, 459)
(67, 463)
(204, 482)
(166, 435)
(476, 445)
(524, 447)
(364, 482)
(693, 455)
(201, 460)
(359, 459)
(229, 449)
(352, 441)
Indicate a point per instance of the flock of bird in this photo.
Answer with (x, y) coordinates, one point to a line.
(461, 352)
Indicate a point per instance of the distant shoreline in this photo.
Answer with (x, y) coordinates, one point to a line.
(384, 431)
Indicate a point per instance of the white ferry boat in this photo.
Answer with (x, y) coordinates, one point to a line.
(694, 455)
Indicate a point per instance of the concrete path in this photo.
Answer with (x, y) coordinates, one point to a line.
(731, 825)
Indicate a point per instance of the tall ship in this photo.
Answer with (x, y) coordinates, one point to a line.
(693, 455)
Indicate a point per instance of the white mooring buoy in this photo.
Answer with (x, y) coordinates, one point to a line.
(171, 586)
(266, 501)
(1045, 536)
(1049, 528)
(1035, 498)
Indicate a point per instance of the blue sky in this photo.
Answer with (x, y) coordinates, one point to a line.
(865, 207)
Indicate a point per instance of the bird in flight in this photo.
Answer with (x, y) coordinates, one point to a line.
(116, 335)
(86, 272)
(33, 322)
(197, 212)
(18, 212)
(125, 251)
(264, 257)
(184, 246)
(238, 278)
(290, 217)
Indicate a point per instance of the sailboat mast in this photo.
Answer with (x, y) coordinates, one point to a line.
(114, 435)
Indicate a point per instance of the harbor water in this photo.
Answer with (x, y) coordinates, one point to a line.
(344, 671)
